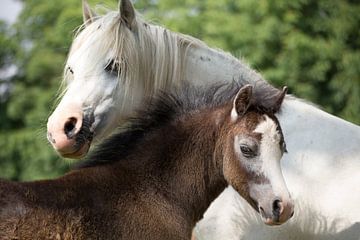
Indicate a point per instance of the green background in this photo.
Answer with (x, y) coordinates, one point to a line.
(312, 46)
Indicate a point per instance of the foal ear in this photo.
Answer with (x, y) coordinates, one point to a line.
(280, 98)
(88, 14)
(127, 13)
(241, 102)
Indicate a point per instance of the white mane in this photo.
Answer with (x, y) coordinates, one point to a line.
(149, 54)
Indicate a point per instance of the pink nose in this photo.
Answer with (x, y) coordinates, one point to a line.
(63, 127)
(279, 212)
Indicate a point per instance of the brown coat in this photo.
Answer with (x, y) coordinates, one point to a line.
(153, 181)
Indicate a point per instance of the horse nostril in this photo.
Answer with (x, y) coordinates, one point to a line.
(277, 207)
(292, 214)
(69, 127)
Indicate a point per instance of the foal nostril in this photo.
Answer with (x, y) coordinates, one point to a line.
(70, 127)
(277, 207)
(262, 212)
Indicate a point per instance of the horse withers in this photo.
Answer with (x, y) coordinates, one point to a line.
(155, 179)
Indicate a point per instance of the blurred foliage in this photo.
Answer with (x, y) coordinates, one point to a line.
(312, 46)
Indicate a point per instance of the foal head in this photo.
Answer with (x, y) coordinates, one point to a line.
(255, 145)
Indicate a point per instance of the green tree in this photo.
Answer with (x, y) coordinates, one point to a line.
(44, 31)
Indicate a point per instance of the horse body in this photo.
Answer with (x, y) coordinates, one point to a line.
(144, 183)
(325, 166)
(321, 168)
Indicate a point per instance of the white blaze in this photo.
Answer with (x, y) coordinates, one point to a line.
(270, 155)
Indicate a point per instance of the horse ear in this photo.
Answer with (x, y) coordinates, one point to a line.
(88, 14)
(127, 12)
(280, 98)
(241, 102)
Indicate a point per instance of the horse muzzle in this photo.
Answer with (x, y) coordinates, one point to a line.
(69, 131)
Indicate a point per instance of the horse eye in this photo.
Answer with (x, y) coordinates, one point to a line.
(247, 152)
(112, 66)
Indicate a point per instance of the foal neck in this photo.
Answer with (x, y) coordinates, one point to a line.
(179, 159)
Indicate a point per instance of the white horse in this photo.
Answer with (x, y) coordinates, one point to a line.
(118, 59)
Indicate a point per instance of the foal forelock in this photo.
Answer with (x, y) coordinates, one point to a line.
(269, 130)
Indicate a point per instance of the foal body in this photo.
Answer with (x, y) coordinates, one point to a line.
(97, 206)
(155, 180)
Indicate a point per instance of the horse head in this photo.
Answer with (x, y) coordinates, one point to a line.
(101, 62)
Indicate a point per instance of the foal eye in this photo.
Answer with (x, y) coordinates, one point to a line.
(112, 67)
(247, 152)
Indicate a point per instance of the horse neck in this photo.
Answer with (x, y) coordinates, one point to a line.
(173, 58)
(181, 158)
(204, 66)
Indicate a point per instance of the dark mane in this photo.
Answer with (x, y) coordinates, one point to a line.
(164, 107)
